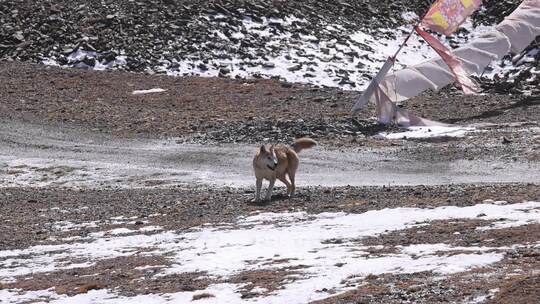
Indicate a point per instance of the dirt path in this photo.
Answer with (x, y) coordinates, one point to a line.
(35, 155)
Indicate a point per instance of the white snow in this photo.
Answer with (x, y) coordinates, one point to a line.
(427, 132)
(252, 243)
(409, 16)
(76, 58)
(67, 225)
(507, 224)
(150, 228)
(155, 90)
(323, 59)
(483, 298)
(118, 231)
(359, 57)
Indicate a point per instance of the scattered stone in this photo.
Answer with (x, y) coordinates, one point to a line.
(269, 65)
(224, 72)
(295, 68)
(90, 286)
(18, 36)
(201, 296)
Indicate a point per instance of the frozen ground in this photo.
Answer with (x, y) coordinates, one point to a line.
(326, 250)
(428, 132)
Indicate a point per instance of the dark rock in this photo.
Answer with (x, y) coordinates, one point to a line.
(89, 61)
(18, 36)
(224, 71)
(295, 68)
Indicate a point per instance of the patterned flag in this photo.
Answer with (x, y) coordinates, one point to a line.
(460, 75)
(445, 16)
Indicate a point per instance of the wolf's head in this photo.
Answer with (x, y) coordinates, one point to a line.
(268, 157)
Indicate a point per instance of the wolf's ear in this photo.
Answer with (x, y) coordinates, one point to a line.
(263, 149)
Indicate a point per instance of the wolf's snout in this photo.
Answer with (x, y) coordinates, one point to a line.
(272, 167)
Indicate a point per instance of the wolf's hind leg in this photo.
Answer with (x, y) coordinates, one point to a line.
(283, 178)
(293, 185)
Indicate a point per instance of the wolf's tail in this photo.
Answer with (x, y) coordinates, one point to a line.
(303, 143)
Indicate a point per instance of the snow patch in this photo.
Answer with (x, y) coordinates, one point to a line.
(141, 92)
(252, 242)
(482, 298)
(348, 63)
(89, 60)
(427, 132)
(67, 225)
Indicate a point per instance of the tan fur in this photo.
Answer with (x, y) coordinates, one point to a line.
(303, 143)
(286, 161)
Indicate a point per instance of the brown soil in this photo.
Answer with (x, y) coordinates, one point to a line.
(521, 289)
(270, 280)
(201, 296)
(119, 274)
(185, 208)
(178, 209)
(103, 101)
(458, 233)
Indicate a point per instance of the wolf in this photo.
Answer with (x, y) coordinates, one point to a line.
(273, 162)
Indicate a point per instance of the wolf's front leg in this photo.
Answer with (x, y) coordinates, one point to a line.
(270, 187)
(258, 193)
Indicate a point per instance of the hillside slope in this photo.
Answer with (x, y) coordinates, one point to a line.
(329, 43)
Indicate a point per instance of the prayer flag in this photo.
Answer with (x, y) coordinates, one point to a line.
(445, 16)
(454, 64)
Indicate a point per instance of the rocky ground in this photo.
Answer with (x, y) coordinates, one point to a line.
(236, 38)
(181, 209)
(217, 111)
(132, 234)
(64, 26)
(53, 218)
(223, 110)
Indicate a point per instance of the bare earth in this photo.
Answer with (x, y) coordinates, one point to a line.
(77, 147)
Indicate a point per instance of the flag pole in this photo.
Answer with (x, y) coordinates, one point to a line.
(412, 31)
(405, 41)
(363, 99)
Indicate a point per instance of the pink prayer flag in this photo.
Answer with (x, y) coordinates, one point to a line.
(460, 75)
(445, 16)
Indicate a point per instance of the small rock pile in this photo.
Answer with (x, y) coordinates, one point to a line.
(285, 131)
